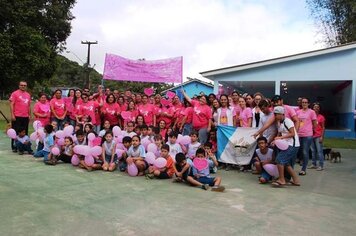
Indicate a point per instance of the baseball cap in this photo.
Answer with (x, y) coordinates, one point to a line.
(278, 110)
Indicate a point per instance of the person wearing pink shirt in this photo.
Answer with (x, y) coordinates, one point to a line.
(147, 111)
(245, 117)
(42, 110)
(111, 110)
(165, 114)
(235, 103)
(87, 109)
(69, 105)
(318, 137)
(307, 121)
(20, 110)
(58, 109)
(202, 116)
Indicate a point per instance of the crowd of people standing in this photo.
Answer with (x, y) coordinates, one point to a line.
(301, 125)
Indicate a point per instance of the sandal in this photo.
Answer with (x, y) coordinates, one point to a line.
(278, 185)
(302, 172)
(292, 183)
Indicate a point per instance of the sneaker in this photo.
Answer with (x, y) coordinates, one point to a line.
(320, 168)
(218, 188)
(312, 167)
(205, 186)
(215, 169)
(20, 153)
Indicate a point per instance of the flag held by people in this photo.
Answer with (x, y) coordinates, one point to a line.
(236, 145)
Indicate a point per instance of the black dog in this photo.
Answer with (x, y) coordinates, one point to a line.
(326, 153)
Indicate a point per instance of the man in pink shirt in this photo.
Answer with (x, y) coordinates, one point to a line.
(20, 109)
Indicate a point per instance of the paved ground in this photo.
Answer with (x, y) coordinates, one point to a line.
(62, 200)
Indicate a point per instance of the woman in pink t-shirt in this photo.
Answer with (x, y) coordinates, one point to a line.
(70, 106)
(111, 110)
(245, 114)
(202, 116)
(318, 137)
(131, 112)
(58, 109)
(147, 111)
(307, 120)
(42, 110)
(165, 114)
(87, 109)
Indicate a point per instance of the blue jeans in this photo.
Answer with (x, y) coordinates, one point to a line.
(23, 147)
(42, 153)
(305, 143)
(203, 135)
(317, 152)
(187, 129)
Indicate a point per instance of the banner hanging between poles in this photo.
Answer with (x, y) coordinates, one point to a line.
(157, 71)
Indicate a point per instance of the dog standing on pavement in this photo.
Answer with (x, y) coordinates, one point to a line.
(335, 156)
(326, 153)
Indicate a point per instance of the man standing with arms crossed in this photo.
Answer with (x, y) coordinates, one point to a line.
(20, 109)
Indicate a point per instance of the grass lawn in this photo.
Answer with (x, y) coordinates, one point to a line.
(328, 142)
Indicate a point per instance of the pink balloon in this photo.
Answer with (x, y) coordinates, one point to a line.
(96, 142)
(185, 140)
(126, 115)
(160, 162)
(89, 160)
(68, 131)
(170, 94)
(11, 133)
(74, 138)
(145, 142)
(200, 163)
(271, 169)
(152, 148)
(281, 144)
(75, 160)
(120, 146)
(60, 141)
(132, 170)
(82, 150)
(55, 151)
(119, 139)
(148, 91)
(150, 158)
(34, 136)
(119, 153)
(91, 136)
(116, 130)
(95, 151)
(60, 134)
(41, 133)
(36, 124)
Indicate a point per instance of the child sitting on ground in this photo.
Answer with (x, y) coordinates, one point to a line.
(108, 155)
(165, 172)
(66, 153)
(263, 155)
(48, 143)
(213, 163)
(126, 141)
(81, 140)
(202, 175)
(136, 155)
(23, 143)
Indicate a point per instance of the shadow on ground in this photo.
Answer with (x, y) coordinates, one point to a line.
(63, 200)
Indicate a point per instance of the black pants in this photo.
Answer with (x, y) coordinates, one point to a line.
(19, 123)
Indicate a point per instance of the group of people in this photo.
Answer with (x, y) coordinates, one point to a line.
(161, 120)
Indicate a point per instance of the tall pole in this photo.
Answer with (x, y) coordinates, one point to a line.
(87, 68)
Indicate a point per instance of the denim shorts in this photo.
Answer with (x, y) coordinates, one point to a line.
(287, 157)
(108, 158)
(206, 180)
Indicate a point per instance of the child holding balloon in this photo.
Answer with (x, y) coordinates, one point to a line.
(109, 156)
(48, 143)
(136, 155)
(66, 150)
(165, 172)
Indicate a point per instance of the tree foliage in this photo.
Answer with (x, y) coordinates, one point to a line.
(32, 32)
(336, 19)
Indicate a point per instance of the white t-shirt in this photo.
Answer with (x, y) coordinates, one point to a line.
(265, 157)
(174, 149)
(284, 127)
(270, 130)
(192, 149)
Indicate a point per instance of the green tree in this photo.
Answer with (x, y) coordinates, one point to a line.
(336, 20)
(32, 32)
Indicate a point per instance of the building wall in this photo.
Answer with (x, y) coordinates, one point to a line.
(194, 89)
